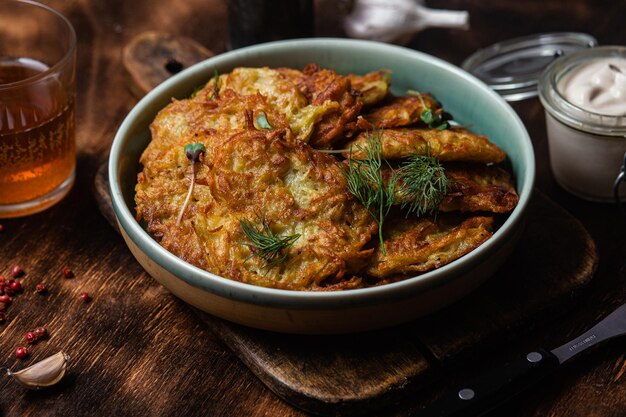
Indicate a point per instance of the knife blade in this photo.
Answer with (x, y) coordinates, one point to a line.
(485, 392)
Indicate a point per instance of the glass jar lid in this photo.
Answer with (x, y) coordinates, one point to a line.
(513, 67)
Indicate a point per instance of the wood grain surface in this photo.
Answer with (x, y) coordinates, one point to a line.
(138, 351)
(355, 374)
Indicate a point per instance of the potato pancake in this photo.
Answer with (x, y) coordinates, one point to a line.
(401, 111)
(372, 87)
(454, 144)
(322, 86)
(319, 104)
(246, 176)
(415, 245)
(472, 188)
(479, 188)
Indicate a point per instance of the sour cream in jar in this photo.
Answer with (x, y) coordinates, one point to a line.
(584, 96)
(598, 86)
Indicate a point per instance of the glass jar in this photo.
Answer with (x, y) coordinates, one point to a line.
(587, 149)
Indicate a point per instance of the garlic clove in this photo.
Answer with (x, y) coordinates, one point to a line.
(44, 373)
(398, 20)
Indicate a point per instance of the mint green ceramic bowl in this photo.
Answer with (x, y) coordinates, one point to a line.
(467, 98)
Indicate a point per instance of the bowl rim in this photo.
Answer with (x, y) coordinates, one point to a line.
(258, 295)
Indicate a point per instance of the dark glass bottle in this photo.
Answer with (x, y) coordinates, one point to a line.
(257, 21)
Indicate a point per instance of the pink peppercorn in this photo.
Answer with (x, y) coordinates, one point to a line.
(30, 337)
(17, 271)
(41, 333)
(15, 285)
(21, 352)
(67, 272)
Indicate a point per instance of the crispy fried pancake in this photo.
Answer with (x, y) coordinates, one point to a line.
(454, 144)
(182, 121)
(401, 111)
(283, 91)
(472, 188)
(372, 87)
(247, 175)
(416, 245)
(323, 86)
(479, 188)
(319, 104)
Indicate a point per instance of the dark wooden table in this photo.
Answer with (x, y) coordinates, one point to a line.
(136, 350)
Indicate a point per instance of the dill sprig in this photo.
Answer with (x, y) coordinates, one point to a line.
(422, 184)
(264, 243)
(366, 183)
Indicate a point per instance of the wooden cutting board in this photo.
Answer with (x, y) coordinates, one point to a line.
(353, 374)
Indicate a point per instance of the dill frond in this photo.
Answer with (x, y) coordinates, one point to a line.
(264, 243)
(366, 183)
(422, 184)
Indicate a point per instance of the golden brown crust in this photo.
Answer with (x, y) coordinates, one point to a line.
(417, 245)
(401, 111)
(471, 188)
(246, 175)
(322, 86)
(479, 188)
(372, 87)
(454, 144)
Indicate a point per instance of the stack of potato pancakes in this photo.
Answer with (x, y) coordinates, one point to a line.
(268, 162)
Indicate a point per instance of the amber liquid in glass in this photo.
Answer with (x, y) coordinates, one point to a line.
(37, 150)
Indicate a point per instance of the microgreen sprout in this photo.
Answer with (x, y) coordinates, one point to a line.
(430, 118)
(193, 152)
(261, 121)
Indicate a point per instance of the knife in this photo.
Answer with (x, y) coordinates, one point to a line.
(492, 388)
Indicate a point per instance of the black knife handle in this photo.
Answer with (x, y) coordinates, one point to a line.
(492, 387)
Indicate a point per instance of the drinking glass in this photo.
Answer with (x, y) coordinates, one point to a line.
(37, 94)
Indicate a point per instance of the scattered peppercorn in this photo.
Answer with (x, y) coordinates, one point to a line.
(21, 352)
(5, 299)
(17, 271)
(67, 272)
(41, 289)
(85, 297)
(30, 337)
(1, 227)
(41, 333)
(15, 285)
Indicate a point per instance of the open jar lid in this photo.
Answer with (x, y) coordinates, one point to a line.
(513, 67)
